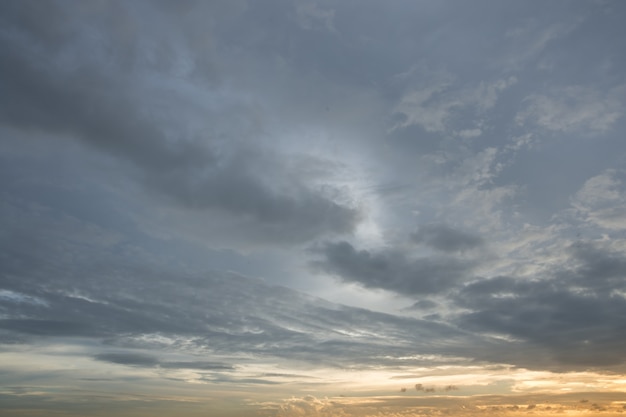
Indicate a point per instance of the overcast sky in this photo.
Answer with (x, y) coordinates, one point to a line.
(312, 208)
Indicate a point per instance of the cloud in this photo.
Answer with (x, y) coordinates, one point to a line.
(602, 201)
(571, 317)
(163, 166)
(447, 388)
(150, 361)
(529, 41)
(311, 15)
(42, 327)
(599, 268)
(105, 109)
(417, 109)
(424, 305)
(446, 239)
(434, 107)
(136, 359)
(392, 270)
(573, 109)
(100, 292)
(396, 406)
(470, 133)
(77, 269)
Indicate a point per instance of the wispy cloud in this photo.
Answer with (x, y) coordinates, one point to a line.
(573, 109)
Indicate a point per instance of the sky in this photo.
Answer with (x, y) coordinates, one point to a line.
(287, 208)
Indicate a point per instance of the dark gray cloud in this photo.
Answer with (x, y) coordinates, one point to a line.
(573, 316)
(143, 360)
(447, 239)
(137, 359)
(424, 305)
(227, 315)
(209, 169)
(62, 282)
(42, 327)
(598, 268)
(393, 270)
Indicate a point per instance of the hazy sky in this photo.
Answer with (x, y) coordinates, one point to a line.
(312, 208)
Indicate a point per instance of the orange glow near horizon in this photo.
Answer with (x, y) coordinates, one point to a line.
(456, 390)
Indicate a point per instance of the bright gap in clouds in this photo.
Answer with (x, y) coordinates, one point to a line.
(312, 208)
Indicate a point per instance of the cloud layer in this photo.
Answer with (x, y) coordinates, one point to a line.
(273, 198)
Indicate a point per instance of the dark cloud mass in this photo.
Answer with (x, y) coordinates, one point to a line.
(64, 283)
(138, 359)
(571, 313)
(392, 270)
(445, 238)
(219, 205)
(43, 327)
(128, 359)
(87, 102)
